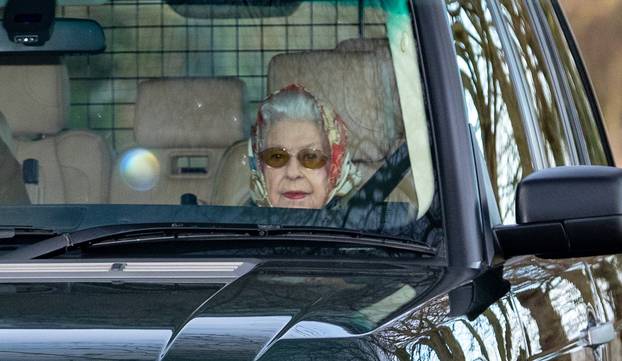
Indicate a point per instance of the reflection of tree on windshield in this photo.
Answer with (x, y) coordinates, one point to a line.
(538, 78)
(491, 94)
(592, 141)
(490, 97)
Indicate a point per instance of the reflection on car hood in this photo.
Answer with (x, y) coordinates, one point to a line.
(262, 315)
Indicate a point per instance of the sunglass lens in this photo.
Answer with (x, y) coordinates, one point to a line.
(312, 158)
(274, 157)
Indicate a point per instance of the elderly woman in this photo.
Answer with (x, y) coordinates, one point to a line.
(298, 152)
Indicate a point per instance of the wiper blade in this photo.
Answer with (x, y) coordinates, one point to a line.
(65, 241)
(348, 236)
(7, 232)
(128, 234)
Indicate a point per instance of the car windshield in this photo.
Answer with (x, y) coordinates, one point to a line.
(289, 113)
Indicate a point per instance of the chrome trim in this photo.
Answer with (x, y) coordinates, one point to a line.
(71, 271)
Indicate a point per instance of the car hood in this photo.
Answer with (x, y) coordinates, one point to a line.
(277, 310)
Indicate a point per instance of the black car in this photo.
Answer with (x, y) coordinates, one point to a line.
(303, 180)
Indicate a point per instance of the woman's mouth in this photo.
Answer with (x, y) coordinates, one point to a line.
(295, 195)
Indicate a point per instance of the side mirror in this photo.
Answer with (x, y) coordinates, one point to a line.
(566, 212)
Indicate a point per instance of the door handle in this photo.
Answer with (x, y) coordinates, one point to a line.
(598, 334)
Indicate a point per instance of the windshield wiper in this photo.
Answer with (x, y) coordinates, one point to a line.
(7, 232)
(141, 234)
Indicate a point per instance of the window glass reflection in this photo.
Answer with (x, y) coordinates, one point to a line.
(555, 147)
(491, 100)
(573, 81)
(514, 101)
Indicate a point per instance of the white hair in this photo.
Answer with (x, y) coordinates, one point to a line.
(296, 105)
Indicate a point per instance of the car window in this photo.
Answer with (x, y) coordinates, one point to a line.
(570, 78)
(492, 102)
(302, 104)
(548, 125)
(522, 118)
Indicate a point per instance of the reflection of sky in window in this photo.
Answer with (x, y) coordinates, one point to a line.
(509, 170)
(506, 150)
(540, 94)
(545, 87)
(586, 117)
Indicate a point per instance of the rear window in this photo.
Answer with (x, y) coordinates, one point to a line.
(240, 110)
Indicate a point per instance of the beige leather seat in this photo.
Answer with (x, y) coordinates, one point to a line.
(405, 191)
(231, 187)
(357, 79)
(73, 166)
(181, 121)
(12, 188)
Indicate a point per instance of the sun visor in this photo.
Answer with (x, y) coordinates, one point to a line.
(236, 9)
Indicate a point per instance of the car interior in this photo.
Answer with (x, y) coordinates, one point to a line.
(194, 128)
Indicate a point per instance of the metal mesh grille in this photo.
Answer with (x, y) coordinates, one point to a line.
(150, 40)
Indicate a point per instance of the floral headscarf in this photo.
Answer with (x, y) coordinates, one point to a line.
(342, 174)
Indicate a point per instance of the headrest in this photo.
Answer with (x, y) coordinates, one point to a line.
(189, 113)
(365, 44)
(34, 95)
(356, 84)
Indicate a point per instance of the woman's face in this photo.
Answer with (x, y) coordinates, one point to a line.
(294, 186)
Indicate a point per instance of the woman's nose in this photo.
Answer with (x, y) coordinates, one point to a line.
(292, 168)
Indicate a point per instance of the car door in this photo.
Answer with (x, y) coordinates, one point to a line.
(558, 306)
(529, 110)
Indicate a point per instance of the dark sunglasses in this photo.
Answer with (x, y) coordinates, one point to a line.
(278, 157)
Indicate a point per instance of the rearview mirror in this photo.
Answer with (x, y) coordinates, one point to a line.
(566, 212)
(69, 36)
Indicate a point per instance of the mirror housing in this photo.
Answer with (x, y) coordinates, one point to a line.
(29, 22)
(69, 36)
(563, 212)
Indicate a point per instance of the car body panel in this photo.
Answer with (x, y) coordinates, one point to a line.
(242, 320)
(557, 304)
(293, 310)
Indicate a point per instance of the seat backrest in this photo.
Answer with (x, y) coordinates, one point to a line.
(12, 188)
(72, 166)
(233, 177)
(405, 191)
(185, 124)
(352, 82)
(357, 79)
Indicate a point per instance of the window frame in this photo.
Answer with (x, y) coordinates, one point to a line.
(468, 241)
(585, 81)
(565, 105)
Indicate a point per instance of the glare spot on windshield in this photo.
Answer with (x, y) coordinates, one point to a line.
(140, 169)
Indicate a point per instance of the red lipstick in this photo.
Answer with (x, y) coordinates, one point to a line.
(295, 195)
